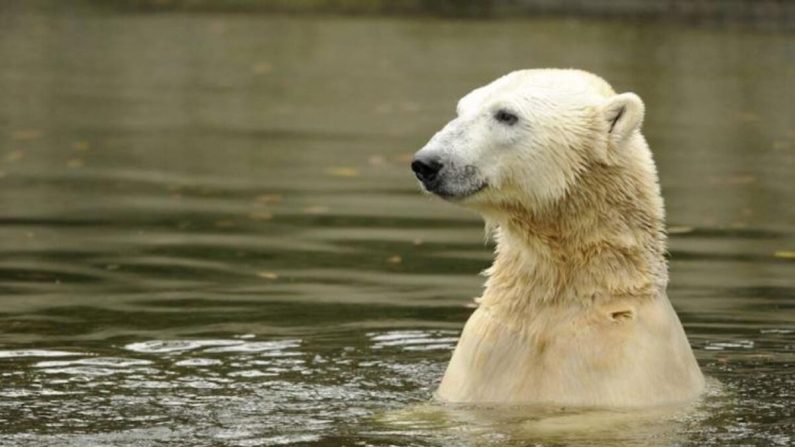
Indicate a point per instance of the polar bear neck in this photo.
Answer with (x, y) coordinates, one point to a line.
(604, 240)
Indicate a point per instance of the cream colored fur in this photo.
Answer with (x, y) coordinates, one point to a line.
(574, 310)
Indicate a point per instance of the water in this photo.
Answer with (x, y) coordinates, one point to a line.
(209, 234)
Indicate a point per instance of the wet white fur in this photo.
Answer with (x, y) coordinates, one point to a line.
(575, 310)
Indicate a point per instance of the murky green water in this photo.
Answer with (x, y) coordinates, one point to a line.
(209, 234)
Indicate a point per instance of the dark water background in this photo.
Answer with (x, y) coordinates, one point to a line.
(209, 234)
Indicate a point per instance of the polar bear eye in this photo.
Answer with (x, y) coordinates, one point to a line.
(506, 117)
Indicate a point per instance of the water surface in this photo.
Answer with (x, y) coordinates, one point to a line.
(209, 234)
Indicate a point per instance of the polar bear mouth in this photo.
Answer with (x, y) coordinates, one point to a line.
(454, 193)
(455, 188)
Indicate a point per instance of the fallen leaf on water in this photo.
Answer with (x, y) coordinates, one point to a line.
(785, 254)
(405, 157)
(75, 163)
(316, 210)
(376, 160)
(15, 155)
(26, 134)
(268, 198)
(260, 215)
(734, 180)
(342, 171)
(268, 275)
(394, 259)
(80, 145)
(262, 68)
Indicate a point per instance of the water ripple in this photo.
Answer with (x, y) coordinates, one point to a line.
(167, 346)
(414, 340)
(263, 346)
(18, 353)
(726, 345)
(112, 362)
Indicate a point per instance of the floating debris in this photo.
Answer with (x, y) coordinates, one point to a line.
(260, 215)
(261, 68)
(26, 134)
(80, 145)
(268, 275)
(268, 198)
(405, 157)
(342, 171)
(15, 155)
(733, 180)
(75, 163)
(784, 254)
(316, 210)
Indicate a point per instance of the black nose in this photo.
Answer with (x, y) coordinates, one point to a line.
(426, 169)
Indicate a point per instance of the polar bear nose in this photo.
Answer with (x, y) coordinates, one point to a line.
(426, 169)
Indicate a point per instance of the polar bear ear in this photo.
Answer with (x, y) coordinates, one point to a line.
(624, 115)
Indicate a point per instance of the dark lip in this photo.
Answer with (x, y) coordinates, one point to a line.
(453, 197)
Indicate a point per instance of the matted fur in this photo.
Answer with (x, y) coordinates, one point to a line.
(574, 309)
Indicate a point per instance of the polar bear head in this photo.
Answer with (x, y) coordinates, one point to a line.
(525, 139)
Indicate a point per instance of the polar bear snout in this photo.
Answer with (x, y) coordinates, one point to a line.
(446, 179)
(426, 169)
(448, 165)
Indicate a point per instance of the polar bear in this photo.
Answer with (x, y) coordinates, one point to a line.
(574, 310)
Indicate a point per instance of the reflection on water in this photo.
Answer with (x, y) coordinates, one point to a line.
(209, 234)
